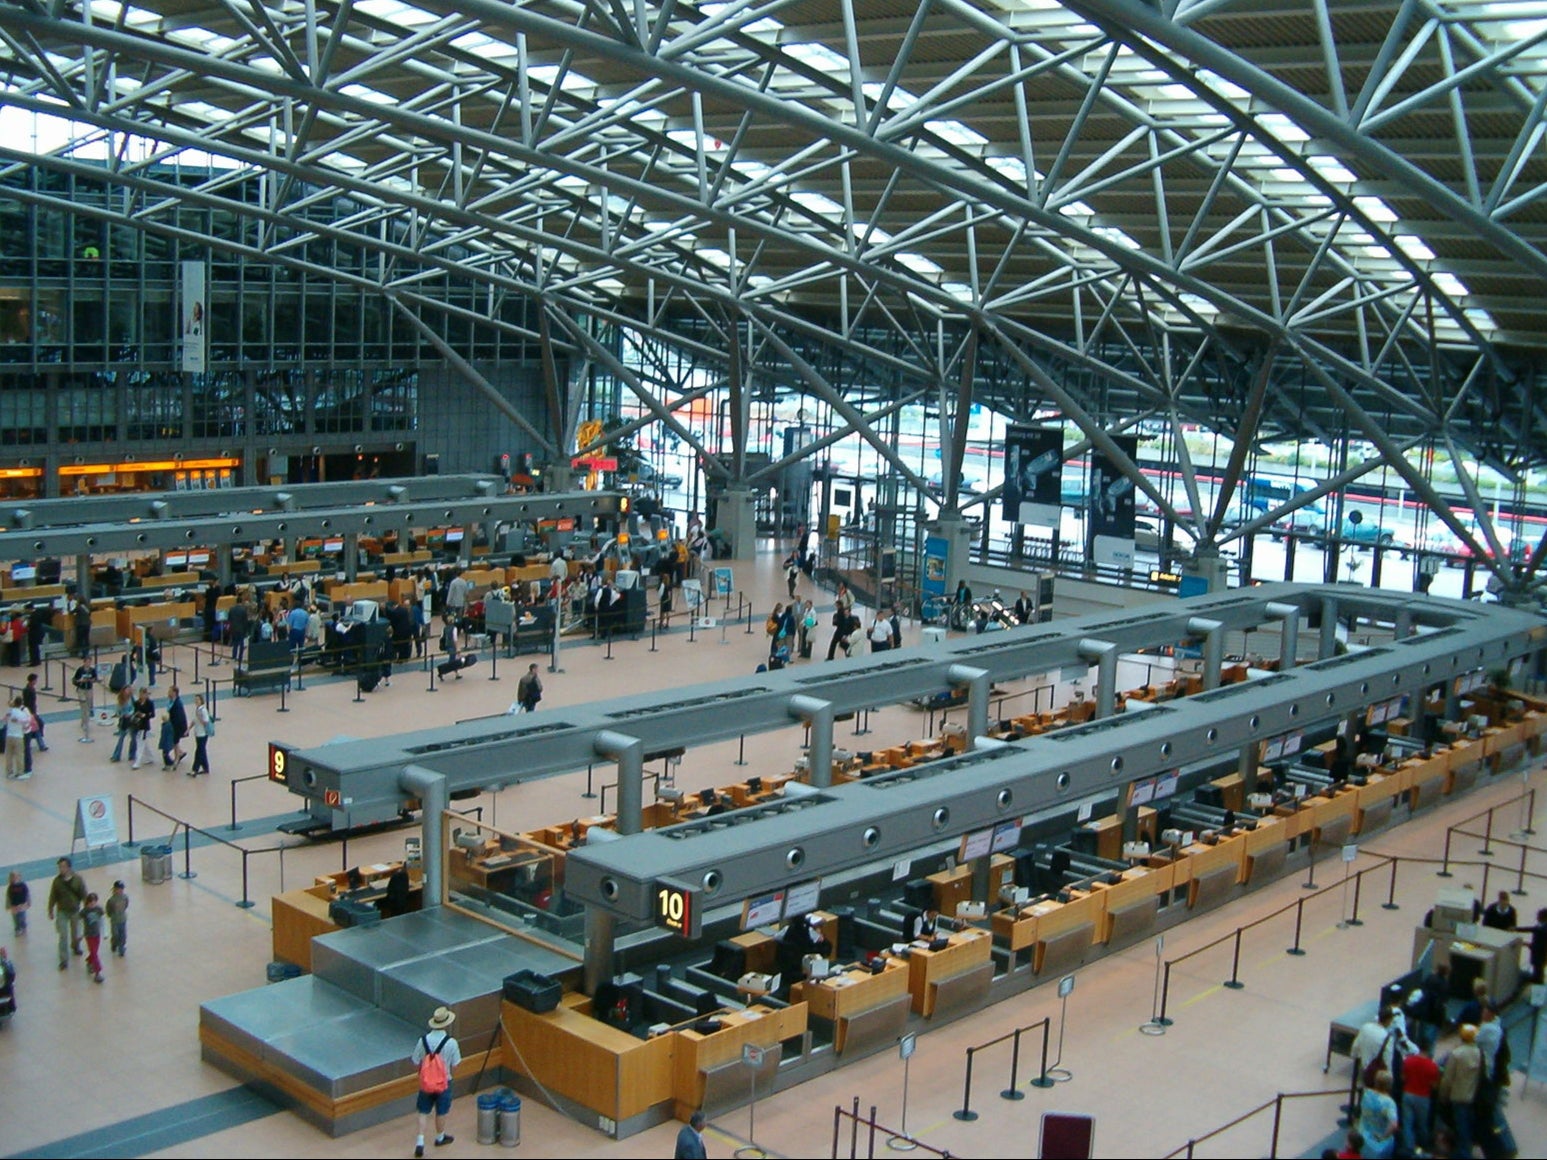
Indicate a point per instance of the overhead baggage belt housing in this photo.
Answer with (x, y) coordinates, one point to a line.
(1450, 637)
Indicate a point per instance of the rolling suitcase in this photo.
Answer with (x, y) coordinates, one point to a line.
(447, 668)
(369, 679)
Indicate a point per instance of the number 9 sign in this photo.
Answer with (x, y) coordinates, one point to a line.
(279, 763)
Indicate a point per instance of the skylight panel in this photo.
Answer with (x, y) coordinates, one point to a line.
(1375, 209)
(818, 203)
(763, 26)
(897, 100)
(819, 57)
(957, 133)
(715, 256)
(876, 234)
(1414, 247)
(1332, 169)
(395, 12)
(548, 74)
(366, 93)
(918, 263)
(1447, 283)
(1283, 128)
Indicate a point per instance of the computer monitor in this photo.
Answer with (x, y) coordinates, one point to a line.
(919, 893)
(454, 536)
(755, 784)
(198, 559)
(23, 574)
(708, 796)
(333, 547)
(176, 561)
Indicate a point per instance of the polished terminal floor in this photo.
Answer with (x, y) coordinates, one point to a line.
(114, 1070)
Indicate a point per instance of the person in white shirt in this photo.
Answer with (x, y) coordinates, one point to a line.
(437, 1041)
(17, 722)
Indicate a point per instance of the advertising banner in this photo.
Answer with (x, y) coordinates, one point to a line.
(194, 323)
(1111, 507)
(1033, 459)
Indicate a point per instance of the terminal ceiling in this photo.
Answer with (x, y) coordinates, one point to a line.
(1274, 218)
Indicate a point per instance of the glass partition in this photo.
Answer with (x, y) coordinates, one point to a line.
(510, 881)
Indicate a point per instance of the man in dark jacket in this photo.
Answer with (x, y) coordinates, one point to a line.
(178, 716)
(239, 621)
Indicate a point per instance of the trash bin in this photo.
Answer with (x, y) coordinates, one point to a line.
(510, 1121)
(155, 864)
(488, 1117)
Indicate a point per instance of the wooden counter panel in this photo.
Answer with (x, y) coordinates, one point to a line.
(570, 1052)
(1137, 885)
(1270, 831)
(967, 950)
(645, 1074)
(1203, 861)
(826, 1001)
(696, 1054)
(299, 917)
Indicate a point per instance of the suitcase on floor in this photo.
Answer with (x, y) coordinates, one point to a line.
(447, 668)
(368, 680)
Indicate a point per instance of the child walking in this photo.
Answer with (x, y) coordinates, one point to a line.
(118, 918)
(18, 900)
(91, 924)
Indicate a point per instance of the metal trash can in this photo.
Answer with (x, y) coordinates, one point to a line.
(510, 1121)
(155, 864)
(488, 1117)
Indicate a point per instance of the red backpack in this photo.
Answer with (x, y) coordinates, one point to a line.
(432, 1069)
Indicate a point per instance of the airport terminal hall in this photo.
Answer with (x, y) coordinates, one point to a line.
(611, 578)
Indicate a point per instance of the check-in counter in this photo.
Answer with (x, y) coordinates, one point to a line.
(1466, 763)
(165, 621)
(1375, 801)
(523, 871)
(707, 1066)
(302, 915)
(864, 1009)
(1056, 934)
(343, 595)
(1426, 777)
(952, 976)
(955, 885)
(1266, 849)
(1332, 817)
(599, 1066)
(1211, 872)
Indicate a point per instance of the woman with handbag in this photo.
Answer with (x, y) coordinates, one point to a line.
(203, 730)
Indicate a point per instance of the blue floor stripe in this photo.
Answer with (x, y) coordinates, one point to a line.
(162, 1129)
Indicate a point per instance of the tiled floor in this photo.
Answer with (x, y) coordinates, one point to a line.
(80, 1057)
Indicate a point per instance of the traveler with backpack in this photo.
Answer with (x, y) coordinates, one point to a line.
(436, 1055)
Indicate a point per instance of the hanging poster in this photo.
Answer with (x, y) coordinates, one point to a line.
(193, 326)
(1111, 506)
(1033, 459)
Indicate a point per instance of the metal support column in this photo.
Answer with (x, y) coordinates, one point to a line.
(978, 688)
(1289, 617)
(430, 788)
(1328, 643)
(629, 753)
(1213, 634)
(818, 716)
(1104, 653)
(598, 969)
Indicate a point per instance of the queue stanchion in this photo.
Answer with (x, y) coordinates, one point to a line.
(494, 660)
(284, 687)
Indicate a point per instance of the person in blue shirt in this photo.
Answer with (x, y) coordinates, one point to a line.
(296, 622)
